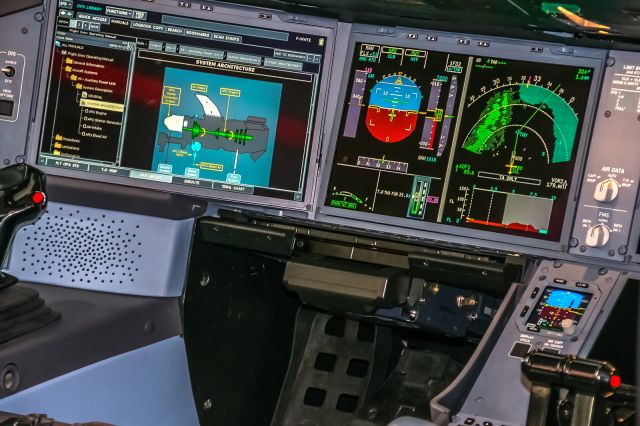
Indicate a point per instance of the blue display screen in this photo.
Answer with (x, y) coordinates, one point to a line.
(556, 305)
(565, 299)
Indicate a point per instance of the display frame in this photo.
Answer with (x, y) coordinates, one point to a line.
(474, 45)
(634, 241)
(552, 290)
(227, 14)
(588, 317)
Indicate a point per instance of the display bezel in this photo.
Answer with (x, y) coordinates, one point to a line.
(551, 289)
(232, 14)
(451, 43)
(634, 243)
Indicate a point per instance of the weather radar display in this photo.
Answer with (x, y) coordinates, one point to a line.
(517, 145)
(477, 142)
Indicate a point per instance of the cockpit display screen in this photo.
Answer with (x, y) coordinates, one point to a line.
(176, 100)
(555, 306)
(478, 142)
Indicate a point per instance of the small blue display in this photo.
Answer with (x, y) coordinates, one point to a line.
(565, 299)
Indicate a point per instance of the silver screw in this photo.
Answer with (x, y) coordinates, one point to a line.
(205, 279)
(207, 404)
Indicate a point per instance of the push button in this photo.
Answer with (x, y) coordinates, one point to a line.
(6, 108)
(534, 293)
(519, 349)
(524, 312)
(470, 421)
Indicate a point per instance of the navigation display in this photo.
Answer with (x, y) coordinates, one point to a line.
(176, 100)
(476, 142)
(556, 305)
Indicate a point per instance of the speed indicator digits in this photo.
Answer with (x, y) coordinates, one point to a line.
(517, 147)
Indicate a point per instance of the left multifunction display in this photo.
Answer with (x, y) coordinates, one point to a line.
(176, 100)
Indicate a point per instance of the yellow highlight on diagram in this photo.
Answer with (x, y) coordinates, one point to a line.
(211, 166)
(171, 95)
(203, 88)
(235, 93)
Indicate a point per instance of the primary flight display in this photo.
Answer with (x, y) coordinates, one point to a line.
(477, 142)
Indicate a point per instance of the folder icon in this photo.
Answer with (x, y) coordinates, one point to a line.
(67, 69)
(79, 86)
(59, 138)
(56, 152)
(57, 145)
(69, 61)
(74, 77)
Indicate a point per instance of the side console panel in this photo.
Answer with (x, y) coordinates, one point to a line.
(610, 184)
(19, 41)
(135, 388)
(557, 313)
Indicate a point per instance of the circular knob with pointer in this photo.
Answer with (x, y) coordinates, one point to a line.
(568, 326)
(606, 191)
(8, 71)
(597, 236)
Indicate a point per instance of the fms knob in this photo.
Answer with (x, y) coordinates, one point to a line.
(597, 236)
(606, 191)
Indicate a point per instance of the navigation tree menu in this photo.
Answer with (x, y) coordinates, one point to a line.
(92, 81)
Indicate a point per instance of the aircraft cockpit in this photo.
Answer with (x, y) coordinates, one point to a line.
(359, 213)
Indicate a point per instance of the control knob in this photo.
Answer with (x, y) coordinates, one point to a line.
(568, 326)
(597, 236)
(8, 71)
(606, 191)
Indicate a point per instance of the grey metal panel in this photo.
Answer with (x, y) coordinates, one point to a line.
(19, 44)
(500, 394)
(452, 397)
(411, 421)
(149, 386)
(93, 326)
(614, 154)
(103, 250)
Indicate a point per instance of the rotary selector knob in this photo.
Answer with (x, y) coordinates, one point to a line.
(606, 191)
(8, 71)
(597, 236)
(568, 326)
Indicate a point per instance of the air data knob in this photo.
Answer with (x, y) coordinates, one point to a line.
(597, 236)
(568, 326)
(606, 191)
